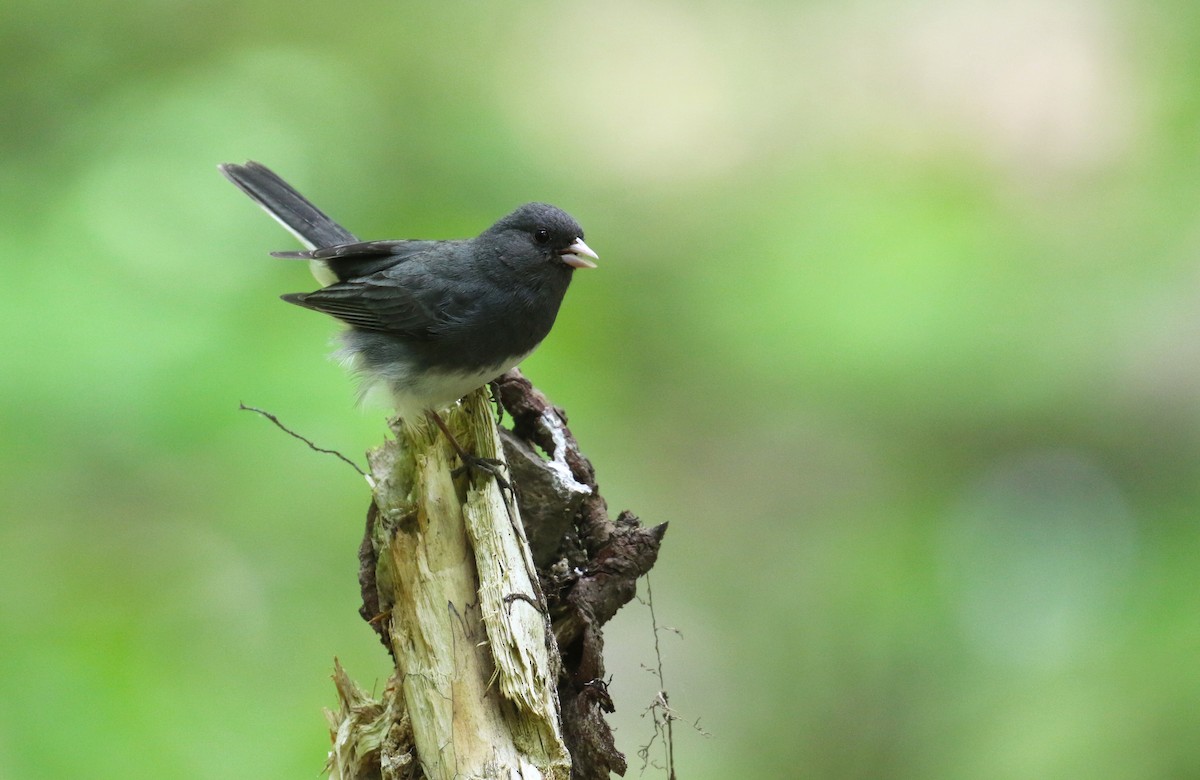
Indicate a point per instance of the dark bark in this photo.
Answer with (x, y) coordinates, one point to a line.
(587, 576)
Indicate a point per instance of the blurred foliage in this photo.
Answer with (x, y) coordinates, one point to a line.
(896, 323)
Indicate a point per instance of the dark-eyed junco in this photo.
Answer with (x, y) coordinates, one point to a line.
(431, 320)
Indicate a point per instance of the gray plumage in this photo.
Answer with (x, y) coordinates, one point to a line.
(432, 320)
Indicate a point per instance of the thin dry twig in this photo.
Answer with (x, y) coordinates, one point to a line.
(661, 710)
(309, 442)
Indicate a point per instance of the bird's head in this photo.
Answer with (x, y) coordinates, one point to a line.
(545, 232)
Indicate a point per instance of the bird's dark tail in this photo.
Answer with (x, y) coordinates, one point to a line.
(291, 209)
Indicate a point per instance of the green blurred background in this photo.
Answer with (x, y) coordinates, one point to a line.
(897, 323)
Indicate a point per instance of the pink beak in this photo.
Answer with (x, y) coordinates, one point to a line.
(579, 255)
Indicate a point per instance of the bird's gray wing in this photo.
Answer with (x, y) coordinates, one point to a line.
(416, 305)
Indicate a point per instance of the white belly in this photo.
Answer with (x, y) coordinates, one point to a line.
(410, 396)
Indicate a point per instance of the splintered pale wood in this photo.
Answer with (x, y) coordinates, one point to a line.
(455, 579)
(510, 597)
(370, 739)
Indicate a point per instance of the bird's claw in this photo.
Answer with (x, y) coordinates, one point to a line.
(488, 465)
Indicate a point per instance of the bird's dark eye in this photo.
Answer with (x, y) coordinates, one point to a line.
(541, 235)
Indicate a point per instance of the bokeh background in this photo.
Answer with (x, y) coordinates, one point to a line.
(897, 324)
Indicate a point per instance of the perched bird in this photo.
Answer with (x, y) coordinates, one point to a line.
(430, 320)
